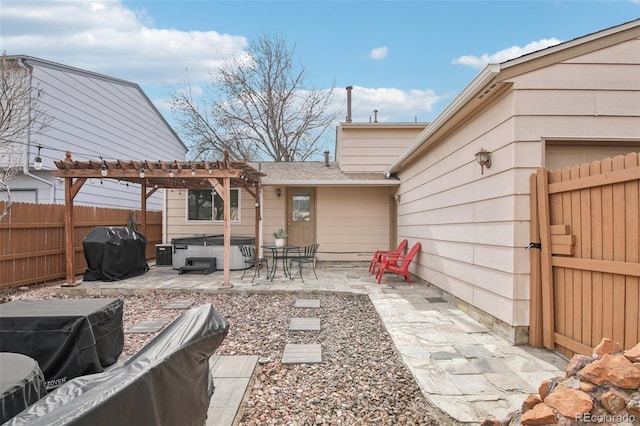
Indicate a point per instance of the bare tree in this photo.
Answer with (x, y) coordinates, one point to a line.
(257, 108)
(21, 114)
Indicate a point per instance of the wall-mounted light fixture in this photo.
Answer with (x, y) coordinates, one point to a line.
(398, 198)
(278, 192)
(483, 157)
(37, 162)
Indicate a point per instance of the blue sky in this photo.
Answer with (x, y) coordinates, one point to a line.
(405, 59)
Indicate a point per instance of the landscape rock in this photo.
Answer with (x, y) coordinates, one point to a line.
(607, 346)
(530, 402)
(633, 354)
(577, 363)
(569, 402)
(546, 387)
(633, 406)
(616, 369)
(613, 401)
(541, 414)
(605, 389)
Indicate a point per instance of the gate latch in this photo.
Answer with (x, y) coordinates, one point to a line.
(534, 245)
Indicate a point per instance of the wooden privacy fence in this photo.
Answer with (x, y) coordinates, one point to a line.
(585, 277)
(32, 245)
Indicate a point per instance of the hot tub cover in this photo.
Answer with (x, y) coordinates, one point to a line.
(114, 253)
(167, 383)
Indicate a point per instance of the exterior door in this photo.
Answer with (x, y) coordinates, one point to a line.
(301, 216)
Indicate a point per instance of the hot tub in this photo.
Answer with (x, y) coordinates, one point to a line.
(209, 246)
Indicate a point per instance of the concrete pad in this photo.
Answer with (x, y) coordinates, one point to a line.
(226, 400)
(307, 303)
(233, 366)
(231, 378)
(302, 354)
(179, 304)
(304, 324)
(148, 326)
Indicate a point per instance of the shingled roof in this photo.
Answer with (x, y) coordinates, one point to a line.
(317, 173)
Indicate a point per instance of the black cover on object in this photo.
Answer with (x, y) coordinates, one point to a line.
(68, 337)
(167, 383)
(21, 384)
(114, 253)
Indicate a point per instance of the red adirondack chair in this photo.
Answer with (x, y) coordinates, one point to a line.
(377, 255)
(398, 264)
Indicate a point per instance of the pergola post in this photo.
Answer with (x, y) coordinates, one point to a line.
(226, 183)
(143, 209)
(70, 253)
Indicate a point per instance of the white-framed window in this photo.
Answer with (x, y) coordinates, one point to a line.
(205, 205)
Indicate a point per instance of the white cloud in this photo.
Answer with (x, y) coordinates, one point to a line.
(393, 105)
(378, 53)
(105, 36)
(505, 54)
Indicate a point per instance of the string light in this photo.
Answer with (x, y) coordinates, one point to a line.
(103, 170)
(37, 162)
(142, 173)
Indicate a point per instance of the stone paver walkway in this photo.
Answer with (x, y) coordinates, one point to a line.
(461, 366)
(231, 377)
(302, 353)
(147, 326)
(304, 324)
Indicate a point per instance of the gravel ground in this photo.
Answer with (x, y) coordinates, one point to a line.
(361, 381)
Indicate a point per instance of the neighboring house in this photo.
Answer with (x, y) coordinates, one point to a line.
(93, 116)
(561, 106)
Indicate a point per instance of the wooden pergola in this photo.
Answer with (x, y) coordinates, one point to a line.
(153, 175)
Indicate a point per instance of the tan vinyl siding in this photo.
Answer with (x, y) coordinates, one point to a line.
(371, 147)
(474, 227)
(352, 222)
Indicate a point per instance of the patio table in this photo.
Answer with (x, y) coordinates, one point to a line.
(279, 253)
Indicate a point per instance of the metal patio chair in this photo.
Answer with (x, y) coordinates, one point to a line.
(302, 255)
(251, 261)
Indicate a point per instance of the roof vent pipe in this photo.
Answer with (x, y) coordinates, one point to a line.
(375, 115)
(326, 158)
(349, 88)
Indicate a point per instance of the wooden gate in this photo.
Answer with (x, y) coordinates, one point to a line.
(585, 270)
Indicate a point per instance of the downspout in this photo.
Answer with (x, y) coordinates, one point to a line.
(25, 166)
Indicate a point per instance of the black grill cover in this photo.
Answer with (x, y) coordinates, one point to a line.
(167, 383)
(114, 253)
